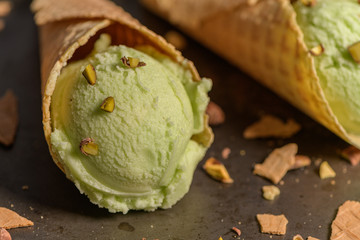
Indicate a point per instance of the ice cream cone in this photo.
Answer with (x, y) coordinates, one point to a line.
(68, 30)
(264, 40)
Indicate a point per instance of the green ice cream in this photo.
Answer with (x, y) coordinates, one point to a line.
(146, 157)
(336, 25)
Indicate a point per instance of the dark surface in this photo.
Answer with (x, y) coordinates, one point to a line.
(210, 209)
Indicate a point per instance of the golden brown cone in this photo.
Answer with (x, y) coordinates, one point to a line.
(68, 30)
(263, 39)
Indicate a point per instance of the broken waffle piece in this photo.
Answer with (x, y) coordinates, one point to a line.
(352, 154)
(2, 24)
(4, 235)
(312, 238)
(301, 161)
(271, 126)
(5, 8)
(215, 113)
(346, 225)
(272, 224)
(8, 118)
(217, 170)
(326, 171)
(270, 192)
(10, 219)
(276, 165)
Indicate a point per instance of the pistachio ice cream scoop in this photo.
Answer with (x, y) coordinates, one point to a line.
(123, 111)
(123, 121)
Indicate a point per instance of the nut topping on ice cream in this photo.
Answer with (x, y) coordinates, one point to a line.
(89, 147)
(132, 62)
(354, 51)
(90, 74)
(318, 50)
(108, 104)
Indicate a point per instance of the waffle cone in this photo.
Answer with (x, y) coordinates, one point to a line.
(264, 40)
(68, 30)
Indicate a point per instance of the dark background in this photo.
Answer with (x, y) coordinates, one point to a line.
(210, 209)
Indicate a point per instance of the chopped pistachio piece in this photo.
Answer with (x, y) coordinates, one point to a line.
(236, 230)
(270, 192)
(298, 237)
(215, 113)
(352, 154)
(309, 3)
(225, 153)
(4, 235)
(326, 171)
(217, 170)
(89, 147)
(318, 50)
(108, 104)
(90, 74)
(125, 61)
(354, 51)
(132, 62)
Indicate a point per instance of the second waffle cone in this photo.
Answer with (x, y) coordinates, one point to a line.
(262, 38)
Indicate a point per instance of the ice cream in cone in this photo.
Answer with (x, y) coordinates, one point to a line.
(305, 51)
(123, 111)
